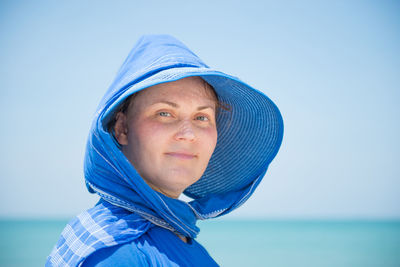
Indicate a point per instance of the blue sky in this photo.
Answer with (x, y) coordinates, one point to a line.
(332, 67)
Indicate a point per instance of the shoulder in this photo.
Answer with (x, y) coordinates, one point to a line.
(119, 255)
(102, 227)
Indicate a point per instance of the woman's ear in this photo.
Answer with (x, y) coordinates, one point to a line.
(121, 128)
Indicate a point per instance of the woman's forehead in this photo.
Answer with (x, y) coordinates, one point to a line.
(186, 89)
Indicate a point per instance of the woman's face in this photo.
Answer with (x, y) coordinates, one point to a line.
(169, 133)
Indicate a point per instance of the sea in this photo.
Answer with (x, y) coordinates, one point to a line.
(234, 243)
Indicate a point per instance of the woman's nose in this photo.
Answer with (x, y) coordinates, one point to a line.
(185, 131)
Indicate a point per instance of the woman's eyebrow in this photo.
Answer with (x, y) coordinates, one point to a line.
(205, 107)
(168, 103)
(172, 104)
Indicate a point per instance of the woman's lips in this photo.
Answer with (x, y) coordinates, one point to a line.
(181, 155)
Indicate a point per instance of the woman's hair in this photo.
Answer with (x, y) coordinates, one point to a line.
(124, 107)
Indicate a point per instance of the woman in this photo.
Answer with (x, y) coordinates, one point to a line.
(168, 124)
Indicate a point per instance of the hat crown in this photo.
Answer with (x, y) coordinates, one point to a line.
(151, 54)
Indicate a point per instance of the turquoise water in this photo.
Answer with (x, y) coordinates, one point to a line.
(240, 243)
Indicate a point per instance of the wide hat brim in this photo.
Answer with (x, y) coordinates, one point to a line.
(249, 134)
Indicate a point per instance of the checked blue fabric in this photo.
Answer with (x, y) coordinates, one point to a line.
(104, 225)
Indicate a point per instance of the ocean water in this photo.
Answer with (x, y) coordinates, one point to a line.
(241, 243)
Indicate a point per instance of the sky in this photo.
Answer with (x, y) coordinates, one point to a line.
(332, 68)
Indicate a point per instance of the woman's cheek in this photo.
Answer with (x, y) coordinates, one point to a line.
(209, 139)
(153, 131)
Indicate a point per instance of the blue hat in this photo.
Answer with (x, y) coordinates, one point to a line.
(249, 137)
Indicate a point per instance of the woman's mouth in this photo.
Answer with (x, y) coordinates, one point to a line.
(181, 155)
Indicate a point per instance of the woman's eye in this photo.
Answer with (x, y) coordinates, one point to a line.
(202, 118)
(164, 114)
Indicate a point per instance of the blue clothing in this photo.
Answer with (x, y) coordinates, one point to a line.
(157, 247)
(107, 235)
(129, 221)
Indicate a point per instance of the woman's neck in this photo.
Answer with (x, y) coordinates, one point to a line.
(183, 238)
